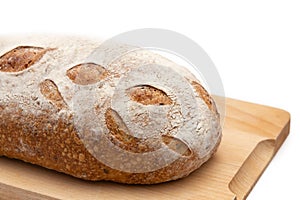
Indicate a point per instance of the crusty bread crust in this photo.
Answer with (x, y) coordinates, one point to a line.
(43, 123)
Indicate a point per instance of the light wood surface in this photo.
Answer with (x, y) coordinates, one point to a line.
(252, 135)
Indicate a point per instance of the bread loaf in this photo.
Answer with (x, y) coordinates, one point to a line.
(138, 119)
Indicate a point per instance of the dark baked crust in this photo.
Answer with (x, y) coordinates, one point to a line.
(54, 144)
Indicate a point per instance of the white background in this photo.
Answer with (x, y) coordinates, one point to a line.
(254, 44)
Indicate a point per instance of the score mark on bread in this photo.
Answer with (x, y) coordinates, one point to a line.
(120, 135)
(87, 73)
(176, 145)
(201, 91)
(21, 58)
(50, 91)
(149, 95)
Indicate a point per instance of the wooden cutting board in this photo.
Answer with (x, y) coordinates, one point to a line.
(252, 135)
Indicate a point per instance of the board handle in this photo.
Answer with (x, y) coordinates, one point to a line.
(254, 166)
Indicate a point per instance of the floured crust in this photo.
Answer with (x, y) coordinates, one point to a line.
(57, 114)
